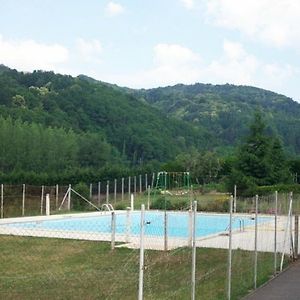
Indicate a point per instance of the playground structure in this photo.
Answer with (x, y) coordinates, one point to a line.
(173, 183)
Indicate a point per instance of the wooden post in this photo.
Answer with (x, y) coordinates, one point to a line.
(23, 201)
(42, 199)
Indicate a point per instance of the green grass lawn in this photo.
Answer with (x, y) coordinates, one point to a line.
(41, 268)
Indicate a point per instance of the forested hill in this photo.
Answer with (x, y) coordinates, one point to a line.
(96, 123)
(226, 110)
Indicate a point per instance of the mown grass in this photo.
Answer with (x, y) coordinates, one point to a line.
(41, 268)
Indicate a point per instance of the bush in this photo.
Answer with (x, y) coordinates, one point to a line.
(162, 203)
(77, 202)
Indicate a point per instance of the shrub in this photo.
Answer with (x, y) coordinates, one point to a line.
(77, 202)
(162, 203)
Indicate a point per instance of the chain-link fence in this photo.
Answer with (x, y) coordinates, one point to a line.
(56, 243)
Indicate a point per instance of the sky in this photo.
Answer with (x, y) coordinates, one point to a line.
(151, 43)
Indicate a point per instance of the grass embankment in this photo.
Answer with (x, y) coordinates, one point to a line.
(41, 268)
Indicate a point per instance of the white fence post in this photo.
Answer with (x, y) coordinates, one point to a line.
(91, 191)
(134, 181)
(141, 273)
(146, 181)
(42, 200)
(234, 202)
(194, 251)
(229, 248)
(140, 180)
(190, 236)
(23, 200)
(47, 205)
(129, 187)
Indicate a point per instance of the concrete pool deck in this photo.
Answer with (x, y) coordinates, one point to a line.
(241, 239)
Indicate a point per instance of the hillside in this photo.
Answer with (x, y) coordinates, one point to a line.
(131, 131)
(226, 110)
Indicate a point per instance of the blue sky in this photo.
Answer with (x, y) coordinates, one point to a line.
(150, 43)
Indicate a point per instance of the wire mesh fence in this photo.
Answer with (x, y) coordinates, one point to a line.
(84, 249)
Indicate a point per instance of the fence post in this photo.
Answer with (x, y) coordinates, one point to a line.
(255, 243)
(165, 231)
(152, 180)
(275, 232)
(134, 185)
(234, 201)
(2, 201)
(23, 201)
(56, 196)
(107, 192)
(42, 199)
(194, 250)
(148, 201)
(229, 248)
(132, 202)
(296, 236)
(129, 187)
(99, 193)
(113, 230)
(140, 180)
(91, 191)
(69, 197)
(127, 224)
(190, 237)
(122, 189)
(47, 205)
(146, 181)
(115, 191)
(141, 273)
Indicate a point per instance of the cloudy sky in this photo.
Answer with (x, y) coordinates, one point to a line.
(150, 43)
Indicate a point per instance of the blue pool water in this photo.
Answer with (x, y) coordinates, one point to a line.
(178, 224)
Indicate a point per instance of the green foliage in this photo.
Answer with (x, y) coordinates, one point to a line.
(77, 202)
(162, 203)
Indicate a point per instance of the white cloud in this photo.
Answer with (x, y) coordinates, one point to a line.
(114, 9)
(30, 55)
(89, 49)
(275, 22)
(188, 4)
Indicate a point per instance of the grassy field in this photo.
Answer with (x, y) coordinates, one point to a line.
(41, 268)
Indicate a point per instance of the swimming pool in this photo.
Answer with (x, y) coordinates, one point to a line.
(178, 224)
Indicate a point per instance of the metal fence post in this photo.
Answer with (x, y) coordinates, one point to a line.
(146, 181)
(296, 236)
(132, 202)
(115, 191)
(69, 197)
(129, 187)
(255, 243)
(128, 225)
(134, 182)
(165, 231)
(140, 181)
(194, 251)
(2, 201)
(47, 205)
(56, 196)
(122, 189)
(234, 201)
(42, 199)
(91, 191)
(141, 271)
(229, 248)
(113, 230)
(148, 200)
(99, 193)
(275, 232)
(23, 200)
(107, 192)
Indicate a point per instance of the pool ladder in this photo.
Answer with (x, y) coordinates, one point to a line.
(241, 223)
(108, 206)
